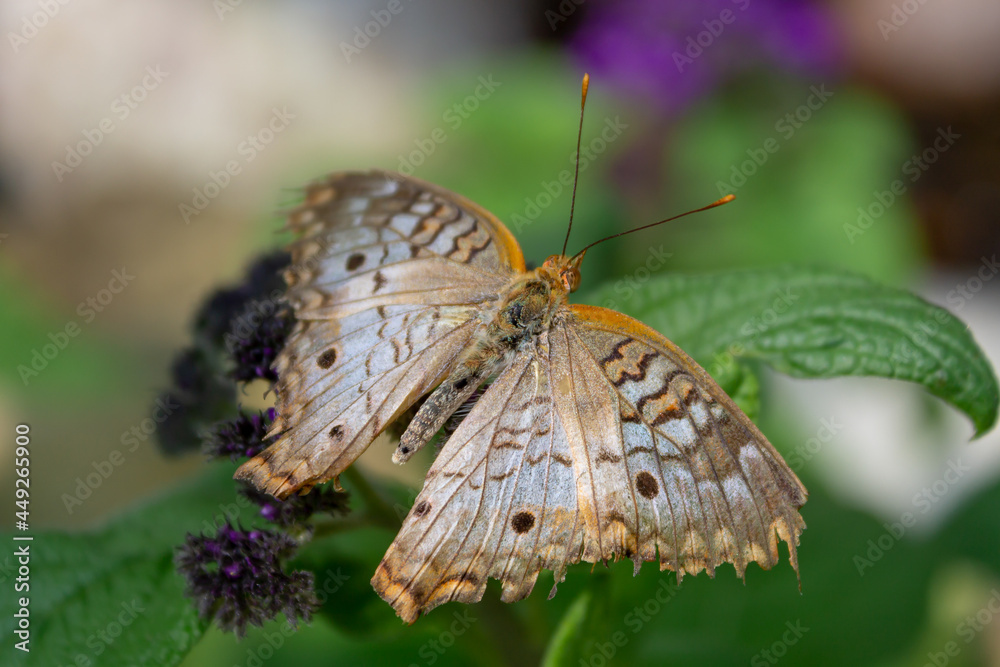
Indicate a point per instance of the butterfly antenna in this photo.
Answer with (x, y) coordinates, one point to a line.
(576, 176)
(720, 202)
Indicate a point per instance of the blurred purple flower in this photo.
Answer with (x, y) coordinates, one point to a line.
(675, 52)
(296, 509)
(256, 338)
(242, 437)
(237, 578)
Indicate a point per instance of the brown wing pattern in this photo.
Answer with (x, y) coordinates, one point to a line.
(599, 443)
(388, 281)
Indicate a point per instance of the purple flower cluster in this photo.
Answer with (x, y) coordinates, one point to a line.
(202, 391)
(295, 509)
(262, 282)
(257, 336)
(236, 578)
(674, 52)
(237, 575)
(243, 437)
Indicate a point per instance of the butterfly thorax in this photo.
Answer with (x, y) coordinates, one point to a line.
(527, 308)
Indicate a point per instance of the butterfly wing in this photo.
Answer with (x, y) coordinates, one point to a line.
(603, 441)
(676, 467)
(388, 279)
(499, 501)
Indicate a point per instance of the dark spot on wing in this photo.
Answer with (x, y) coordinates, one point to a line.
(614, 516)
(327, 358)
(355, 260)
(522, 522)
(646, 485)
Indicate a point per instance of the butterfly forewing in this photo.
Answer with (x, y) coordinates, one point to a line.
(390, 279)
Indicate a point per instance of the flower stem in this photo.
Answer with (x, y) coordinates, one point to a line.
(376, 506)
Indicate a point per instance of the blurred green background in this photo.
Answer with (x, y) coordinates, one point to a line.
(859, 135)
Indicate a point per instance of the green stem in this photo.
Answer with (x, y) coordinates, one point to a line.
(328, 528)
(377, 507)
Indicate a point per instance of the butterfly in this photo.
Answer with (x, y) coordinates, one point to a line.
(596, 438)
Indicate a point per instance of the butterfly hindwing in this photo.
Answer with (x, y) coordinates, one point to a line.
(601, 441)
(387, 279)
(708, 487)
(499, 502)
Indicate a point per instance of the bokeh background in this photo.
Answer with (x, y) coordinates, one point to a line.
(859, 134)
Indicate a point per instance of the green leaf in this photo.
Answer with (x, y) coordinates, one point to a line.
(344, 565)
(570, 632)
(963, 536)
(818, 323)
(112, 597)
(585, 621)
(741, 383)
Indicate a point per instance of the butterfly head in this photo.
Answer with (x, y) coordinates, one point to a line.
(567, 269)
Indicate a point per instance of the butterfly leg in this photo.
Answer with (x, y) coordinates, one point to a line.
(443, 402)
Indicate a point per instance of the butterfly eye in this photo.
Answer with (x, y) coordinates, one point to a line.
(571, 279)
